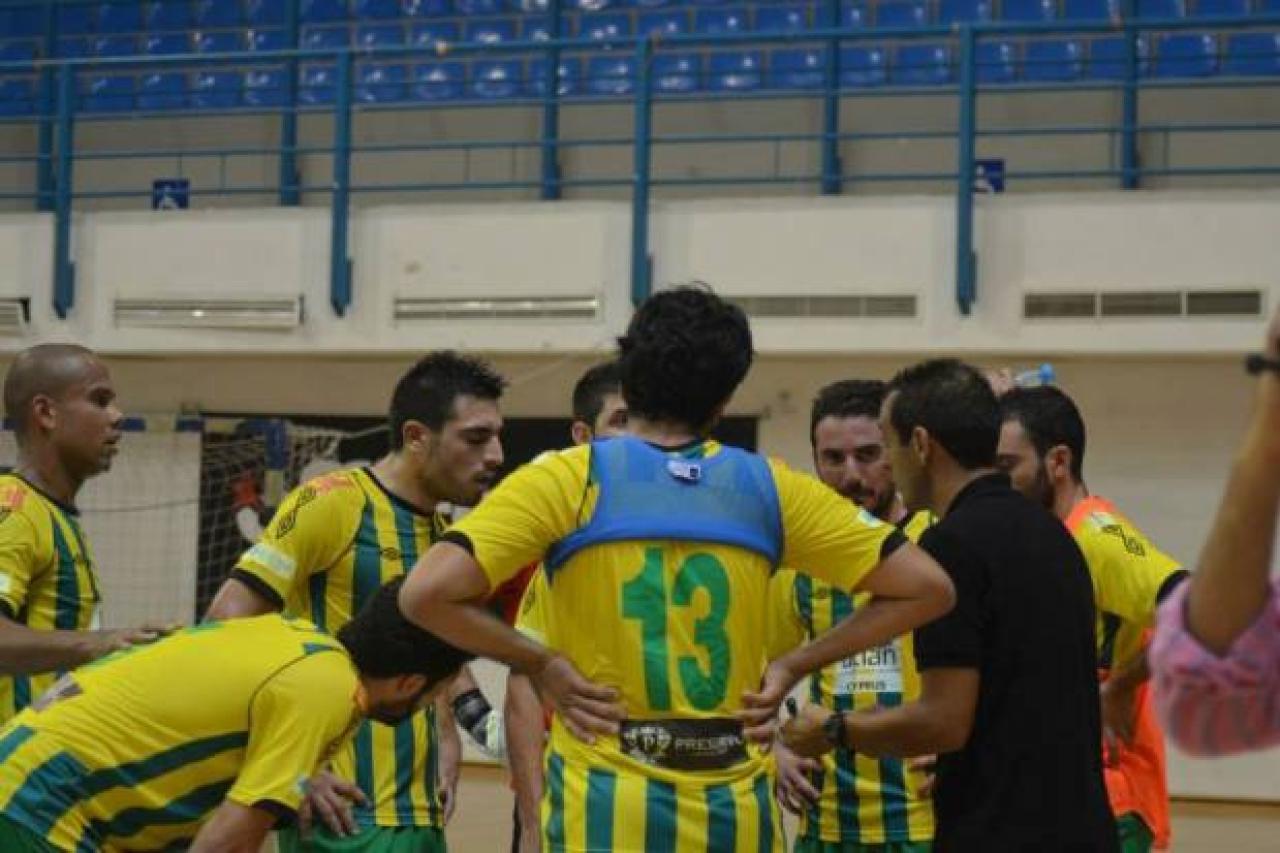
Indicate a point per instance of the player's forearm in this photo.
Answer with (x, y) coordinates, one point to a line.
(233, 828)
(902, 732)
(526, 738)
(1132, 673)
(1230, 587)
(24, 651)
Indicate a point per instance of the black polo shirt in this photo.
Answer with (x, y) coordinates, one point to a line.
(1030, 776)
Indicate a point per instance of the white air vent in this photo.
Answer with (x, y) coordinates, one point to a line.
(820, 307)
(551, 307)
(14, 316)
(1126, 304)
(268, 313)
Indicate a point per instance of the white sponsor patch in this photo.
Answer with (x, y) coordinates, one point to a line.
(877, 670)
(275, 561)
(868, 519)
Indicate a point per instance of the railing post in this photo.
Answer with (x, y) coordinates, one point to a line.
(64, 270)
(831, 166)
(966, 261)
(339, 259)
(1129, 174)
(641, 263)
(289, 196)
(44, 145)
(551, 109)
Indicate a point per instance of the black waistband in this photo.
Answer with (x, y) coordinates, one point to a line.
(684, 745)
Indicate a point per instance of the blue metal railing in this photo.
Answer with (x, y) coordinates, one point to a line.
(58, 116)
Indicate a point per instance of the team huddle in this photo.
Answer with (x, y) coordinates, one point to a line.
(973, 624)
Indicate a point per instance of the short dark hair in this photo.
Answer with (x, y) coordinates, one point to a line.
(384, 644)
(1050, 418)
(426, 393)
(685, 352)
(848, 398)
(596, 384)
(954, 402)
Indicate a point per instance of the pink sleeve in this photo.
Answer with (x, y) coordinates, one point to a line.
(1215, 705)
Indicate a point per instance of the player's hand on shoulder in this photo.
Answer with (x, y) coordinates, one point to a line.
(330, 799)
(587, 709)
(103, 643)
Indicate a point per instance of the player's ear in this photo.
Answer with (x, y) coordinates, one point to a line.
(921, 444)
(415, 436)
(1057, 462)
(580, 432)
(42, 412)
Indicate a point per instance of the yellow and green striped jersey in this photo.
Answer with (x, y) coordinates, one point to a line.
(862, 800)
(47, 580)
(133, 751)
(332, 543)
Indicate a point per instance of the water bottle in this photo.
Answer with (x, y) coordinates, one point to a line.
(1034, 378)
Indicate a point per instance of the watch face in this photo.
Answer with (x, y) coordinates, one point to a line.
(833, 728)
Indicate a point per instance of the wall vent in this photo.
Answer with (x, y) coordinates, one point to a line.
(822, 307)
(545, 308)
(1126, 304)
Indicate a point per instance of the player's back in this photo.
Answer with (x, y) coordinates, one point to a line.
(132, 751)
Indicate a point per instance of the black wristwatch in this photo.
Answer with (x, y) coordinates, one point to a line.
(1257, 364)
(834, 731)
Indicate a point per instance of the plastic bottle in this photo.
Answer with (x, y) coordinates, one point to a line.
(1042, 375)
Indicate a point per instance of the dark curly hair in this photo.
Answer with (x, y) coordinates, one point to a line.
(684, 353)
(848, 398)
(427, 392)
(384, 644)
(1050, 418)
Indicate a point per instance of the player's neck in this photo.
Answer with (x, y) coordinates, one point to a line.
(42, 468)
(1066, 500)
(393, 472)
(898, 511)
(661, 433)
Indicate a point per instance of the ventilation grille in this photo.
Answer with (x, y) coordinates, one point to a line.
(551, 307)
(1155, 303)
(897, 306)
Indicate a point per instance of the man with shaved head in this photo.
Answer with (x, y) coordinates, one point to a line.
(62, 406)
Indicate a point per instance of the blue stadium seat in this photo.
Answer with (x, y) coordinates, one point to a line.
(1221, 8)
(264, 40)
(1090, 10)
(958, 11)
(852, 14)
(324, 38)
(22, 50)
(265, 13)
(570, 78)
(166, 90)
(318, 85)
(612, 74)
(727, 20)
(782, 18)
(479, 7)
(490, 31)
(1268, 7)
(735, 71)
(652, 4)
(323, 11)
(378, 10)
(73, 48)
(116, 46)
(169, 44)
(380, 35)
(21, 21)
(1029, 10)
(861, 67)
(604, 25)
(109, 93)
(589, 5)
(670, 22)
(996, 62)
(120, 17)
(381, 83)
(1107, 58)
(677, 73)
(17, 96)
(1252, 55)
(1186, 55)
(921, 65)
(901, 13)
(74, 20)
(424, 34)
(219, 13)
(534, 28)
(264, 87)
(219, 42)
(495, 79)
(1053, 60)
(709, 2)
(537, 8)
(169, 15)
(1161, 8)
(796, 69)
(438, 81)
(216, 90)
(428, 8)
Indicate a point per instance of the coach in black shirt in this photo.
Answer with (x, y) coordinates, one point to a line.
(1009, 695)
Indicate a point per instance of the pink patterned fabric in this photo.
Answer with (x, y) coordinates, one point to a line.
(1213, 705)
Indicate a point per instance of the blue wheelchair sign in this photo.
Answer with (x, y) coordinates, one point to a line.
(170, 194)
(988, 176)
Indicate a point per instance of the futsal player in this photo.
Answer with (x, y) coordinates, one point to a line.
(851, 803)
(204, 740)
(62, 404)
(1042, 445)
(658, 547)
(333, 541)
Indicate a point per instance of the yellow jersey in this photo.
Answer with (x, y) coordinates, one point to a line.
(332, 543)
(862, 800)
(47, 582)
(133, 751)
(675, 625)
